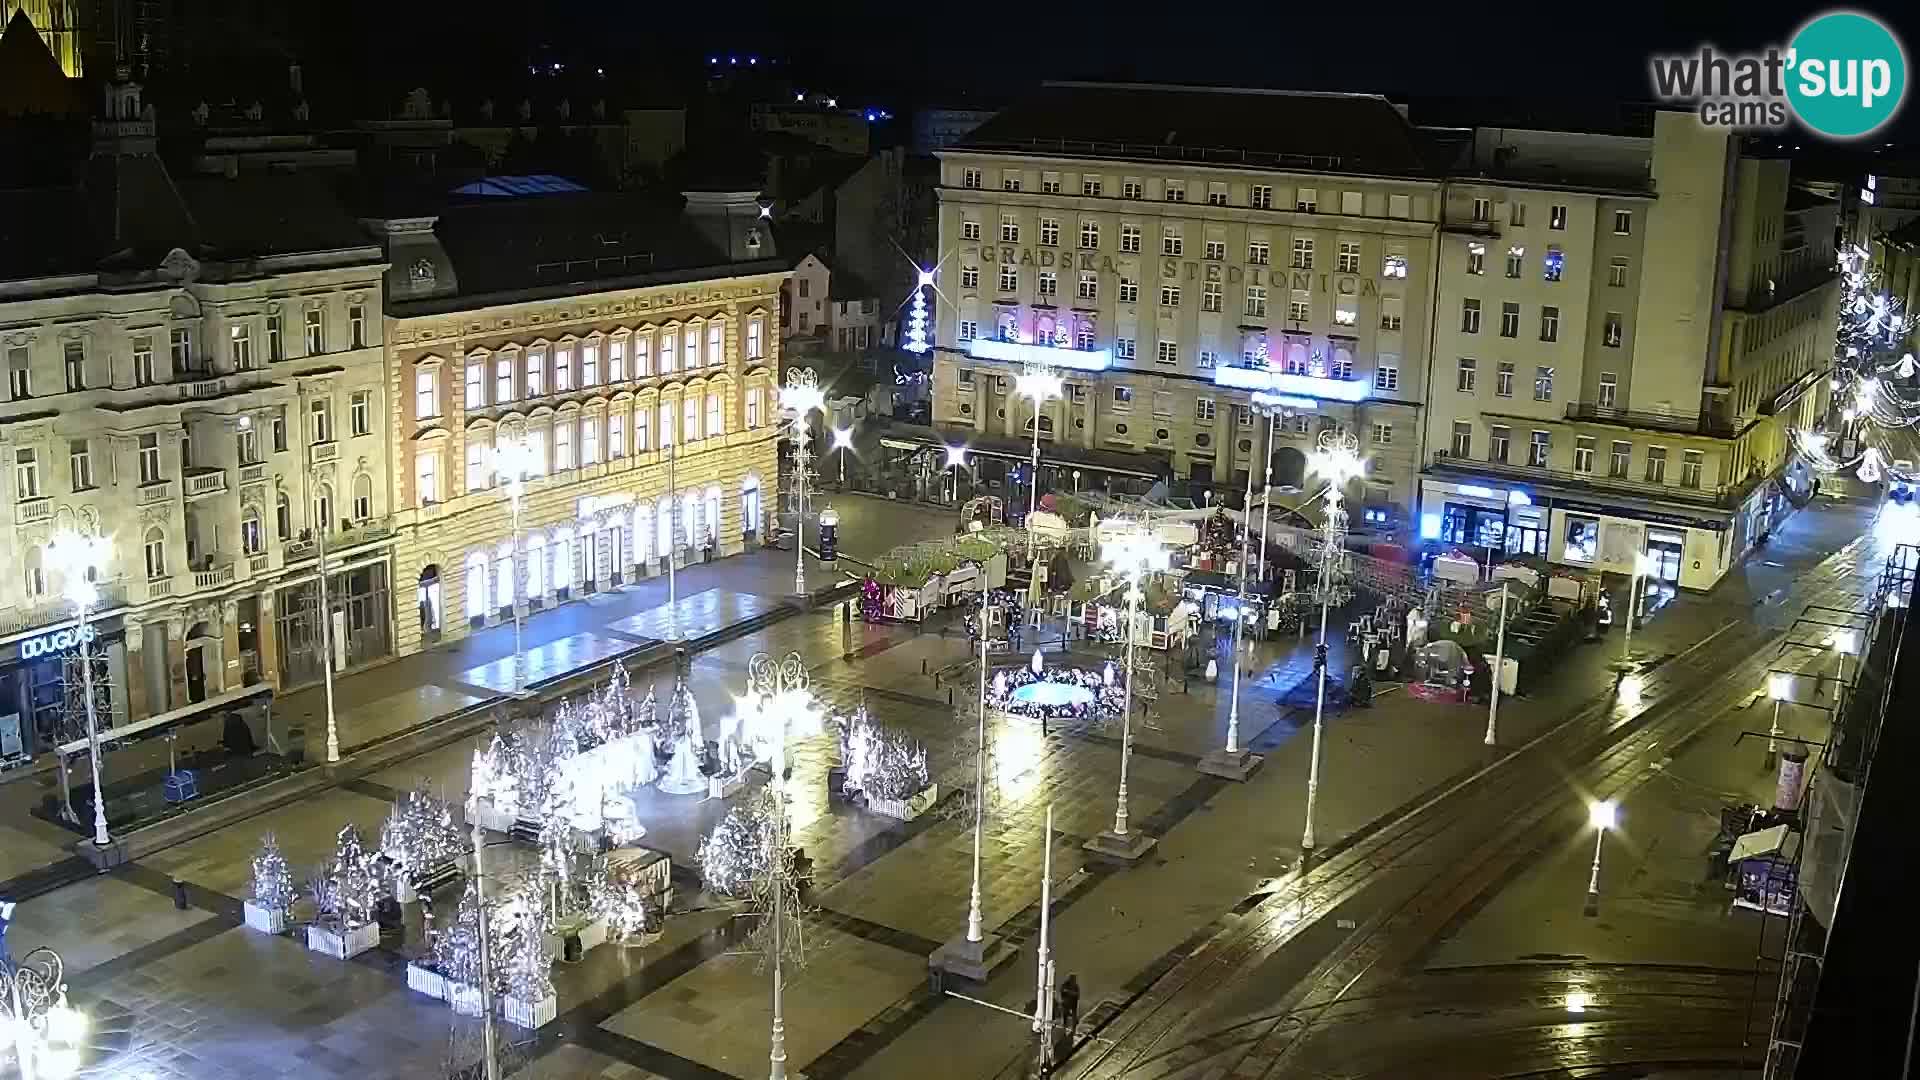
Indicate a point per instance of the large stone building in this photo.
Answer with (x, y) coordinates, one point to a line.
(632, 347)
(198, 375)
(1173, 251)
(1625, 327)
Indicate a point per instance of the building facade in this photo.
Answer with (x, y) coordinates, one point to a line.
(201, 382)
(1176, 252)
(1625, 329)
(645, 402)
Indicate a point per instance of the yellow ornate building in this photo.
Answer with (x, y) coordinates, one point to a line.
(62, 26)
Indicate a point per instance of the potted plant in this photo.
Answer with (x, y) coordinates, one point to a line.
(273, 893)
(344, 899)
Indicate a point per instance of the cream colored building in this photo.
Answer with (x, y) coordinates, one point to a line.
(598, 365)
(1625, 326)
(1173, 251)
(200, 380)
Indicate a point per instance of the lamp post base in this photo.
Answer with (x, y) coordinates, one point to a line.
(974, 961)
(1234, 765)
(1128, 848)
(104, 858)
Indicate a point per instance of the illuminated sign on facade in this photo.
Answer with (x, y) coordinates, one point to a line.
(1280, 382)
(55, 641)
(1016, 352)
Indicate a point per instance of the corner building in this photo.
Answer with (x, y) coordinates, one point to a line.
(1172, 251)
(628, 335)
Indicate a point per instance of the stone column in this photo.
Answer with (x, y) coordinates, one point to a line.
(267, 634)
(231, 676)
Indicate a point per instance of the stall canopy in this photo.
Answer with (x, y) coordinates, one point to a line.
(256, 694)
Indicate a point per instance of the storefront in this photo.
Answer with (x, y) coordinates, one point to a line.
(362, 624)
(37, 711)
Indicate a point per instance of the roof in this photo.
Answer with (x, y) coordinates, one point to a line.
(1800, 198)
(270, 213)
(43, 232)
(510, 186)
(30, 78)
(1353, 133)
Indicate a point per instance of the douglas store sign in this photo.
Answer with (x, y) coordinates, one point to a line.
(55, 642)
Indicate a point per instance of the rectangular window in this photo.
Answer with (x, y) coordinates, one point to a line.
(969, 329)
(1049, 283)
(616, 436)
(1656, 464)
(1010, 181)
(562, 444)
(1169, 352)
(1169, 296)
(1306, 200)
(1176, 191)
(1382, 434)
(756, 338)
(357, 325)
(280, 430)
(1256, 300)
(1498, 440)
(181, 342)
(1390, 309)
(1386, 373)
(590, 363)
(1476, 258)
(970, 178)
(689, 418)
(1122, 398)
(426, 394)
(1516, 260)
(1009, 279)
(1132, 189)
(716, 416)
(426, 477)
(1583, 454)
(1083, 335)
(617, 359)
(80, 463)
(1050, 183)
(1171, 242)
(143, 369)
(503, 380)
(1345, 311)
(1129, 291)
(536, 380)
(1353, 203)
(590, 440)
(1049, 232)
(155, 552)
(316, 331)
(150, 459)
(75, 357)
(1610, 331)
(240, 347)
(1557, 218)
(1203, 410)
(477, 478)
(1299, 306)
(643, 423)
(1692, 464)
(1549, 324)
(1553, 265)
(1542, 383)
(1124, 348)
(537, 453)
(1260, 197)
(1243, 416)
(1210, 296)
(1469, 316)
(1090, 186)
(1617, 272)
(1540, 449)
(1089, 287)
(1483, 209)
(1468, 375)
(1510, 320)
(1259, 252)
(26, 475)
(1130, 239)
(969, 230)
(1620, 460)
(1394, 263)
(1206, 359)
(1089, 235)
(1214, 250)
(1609, 387)
(643, 355)
(563, 361)
(1009, 229)
(1622, 222)
(1303, 253)
(1349, 257)
(320, 413)
(476, 384)
(1216, 194)
(1517, 213)
(1503, 380)
(1462, 439)
(276, 339)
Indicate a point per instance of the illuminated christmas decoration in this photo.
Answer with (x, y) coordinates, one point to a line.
(917, 315)
(272, 878)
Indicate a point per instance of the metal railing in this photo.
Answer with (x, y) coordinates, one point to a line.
(1718, 495)
(33, 511)
(1679, 423)
(113, 594)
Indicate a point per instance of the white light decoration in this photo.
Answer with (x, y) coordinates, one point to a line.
(800, 396)
(513, 460)
(79, 558)
(917, 315)
(1336, 460)
(46, 1032)
(956, 457)
(1039, 385)
(1136, 551)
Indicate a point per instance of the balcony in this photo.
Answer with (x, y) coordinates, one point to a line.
(359, 534)
(203, 482)
(157, 491)
(253, 474)
(1718, 497)
(259, 564)
(50, 612)
(1711, 427)
(33, 511)
(216, 572)
(1268, 379)
(321, 453)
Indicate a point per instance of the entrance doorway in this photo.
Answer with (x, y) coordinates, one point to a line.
(427, 594)
(1665, 549)
(199, 662)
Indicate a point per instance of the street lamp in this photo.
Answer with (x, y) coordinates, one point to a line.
(1602, 816)
(1039, 385)
(1234, 762)
(1499, 668)
(1779, 685)
(1845, 643)
(973, 956)
(778, 705)
(1136, 551)
(956, 459)
(1643, 567)
(843, 442)
(47, 1031)
(513, 460)
(801, 395)
(78, 557)
(1337, 460)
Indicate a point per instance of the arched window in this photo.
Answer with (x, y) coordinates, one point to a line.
(156, 553)
(716, 414)
(253, 538)
(690, 416)
(712, 521)
(666, 424)
(642, 532)
(750, 505)
(362, 497)
(36, 572)
(476, 584)
(503, 576)
(690, 512)
(536, 566)
(283, 516)
(1296, 358)
(322, 506)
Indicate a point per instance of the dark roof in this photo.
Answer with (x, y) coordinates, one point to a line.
(847, 285)
(44, 232)
(1799, 198)
(1353, 133)
(270, 213)
(30, 78)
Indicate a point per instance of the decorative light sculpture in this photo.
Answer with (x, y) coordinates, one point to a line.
(1038, 384)
(1135, 552)
(47, 1032)
(1336, 460)
(917, 315)
(802, 395)
(79, 558)
(513, 460)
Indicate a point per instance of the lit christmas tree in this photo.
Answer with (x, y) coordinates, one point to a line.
(917, 315)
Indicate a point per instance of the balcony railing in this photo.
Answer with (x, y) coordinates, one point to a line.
(214, 576)
(321, 453)
(51, 612)
(259, 564)
(1716, 496)
(339, 540)
(205, 482)
(253, 474)
(1678, 423)
(33, 511)
(158, 491)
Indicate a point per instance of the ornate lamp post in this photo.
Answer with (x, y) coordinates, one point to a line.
(1337, 461)
(800, 396)
(843, 442)
(513, 461)
(79, 558)
(1234, 762)
(956, 459)
(1037, 384)
(1603, 816)
(1135, 552)
(47, 1031)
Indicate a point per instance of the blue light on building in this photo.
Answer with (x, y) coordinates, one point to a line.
(1281, 382)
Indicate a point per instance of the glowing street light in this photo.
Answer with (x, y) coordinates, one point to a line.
(843, 442)
(514, 459)
(47, 1032)
(1779, 686)
(1845, 643)
(1136, 552)
(801, 395)
(1037, 384)
(1602, 816)
(1234, 762)
(1336, 460)
(1643, 567)
(79, 557)
(956, 459)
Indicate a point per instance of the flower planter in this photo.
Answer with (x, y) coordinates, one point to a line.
(427, 981)
(464, 997)
(343, 944)
(908, 808)
(531, 1014)
(265, 919)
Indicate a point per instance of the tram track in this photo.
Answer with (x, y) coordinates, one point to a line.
(1409, 880)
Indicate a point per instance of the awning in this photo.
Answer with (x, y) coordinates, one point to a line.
(246, 695)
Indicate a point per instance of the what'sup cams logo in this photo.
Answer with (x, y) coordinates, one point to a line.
(1843, 76)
